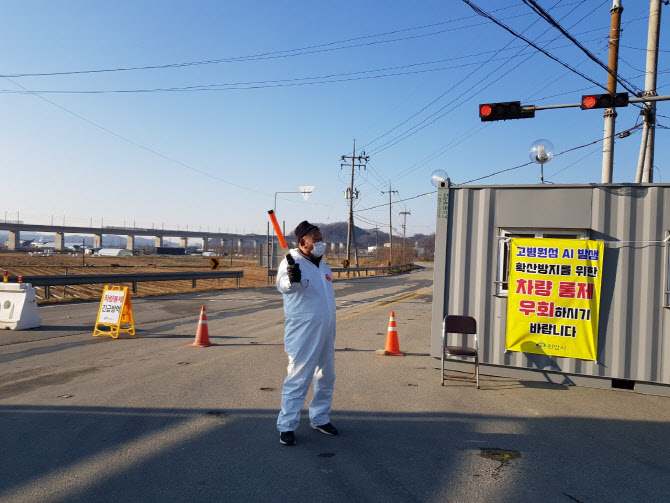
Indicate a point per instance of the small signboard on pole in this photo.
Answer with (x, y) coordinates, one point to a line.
(115, 313)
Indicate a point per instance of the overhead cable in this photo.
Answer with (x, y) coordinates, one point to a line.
(286, 53)
(535, 46)
(291, 82)
(547, 17)
(422, 124)
(503, 170)
(168, 158)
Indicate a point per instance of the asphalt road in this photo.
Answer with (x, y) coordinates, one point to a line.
(148, 419)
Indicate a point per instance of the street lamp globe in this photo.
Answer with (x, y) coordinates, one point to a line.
(541, 151)
(438, 176)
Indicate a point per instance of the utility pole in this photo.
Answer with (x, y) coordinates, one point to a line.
(351, 193)
(404, 226)
(645, 165)
(390, 193)
(610, 113)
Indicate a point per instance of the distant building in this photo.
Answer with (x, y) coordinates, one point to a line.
(167, 250)
(114, 252)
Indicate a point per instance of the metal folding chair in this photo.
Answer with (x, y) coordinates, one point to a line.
(460, 325)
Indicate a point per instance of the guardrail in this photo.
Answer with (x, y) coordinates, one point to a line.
(90, 279)
(357, 270)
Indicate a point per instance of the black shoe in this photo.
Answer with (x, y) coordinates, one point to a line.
(328, 429)
(286, 438)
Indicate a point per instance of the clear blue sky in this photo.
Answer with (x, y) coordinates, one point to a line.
(235, 148)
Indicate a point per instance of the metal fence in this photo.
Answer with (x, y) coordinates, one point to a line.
(89, 279)
(356, 271)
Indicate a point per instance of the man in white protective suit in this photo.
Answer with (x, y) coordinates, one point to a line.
(306, 283)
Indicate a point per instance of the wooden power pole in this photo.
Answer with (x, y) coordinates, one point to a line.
(390, 193)
(351, 193)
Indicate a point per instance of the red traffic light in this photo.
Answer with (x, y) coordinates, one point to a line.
(589, 101)
(504, 111)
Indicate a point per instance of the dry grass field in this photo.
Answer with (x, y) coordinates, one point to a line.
(22, 264)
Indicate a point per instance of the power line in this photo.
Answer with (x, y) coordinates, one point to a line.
(535, 46)
(504, 170)
(399, 201)
(415, 129)
(547, 17)
(597, 149)
(451, 145)
(560, 153)
(641, 49)
(368, 221)
(261, 84)
(139, 145)
(553, 80)
(325, 47)
(290, 82)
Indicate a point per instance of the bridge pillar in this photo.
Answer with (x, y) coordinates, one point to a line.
(205, 244)
(255, 245)
(97, 240)
(60, 238)
(239, 246)
(342, 247)
(130, 243)
(158, 241)
(14, 241)
(332, 247)
(183, 242)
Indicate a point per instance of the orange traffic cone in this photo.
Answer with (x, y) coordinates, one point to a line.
(202, 336)
(392, 347)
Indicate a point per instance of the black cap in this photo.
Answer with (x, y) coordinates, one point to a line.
(304, 228)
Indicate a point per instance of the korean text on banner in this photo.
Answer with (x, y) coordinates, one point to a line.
(554, 297)
(115, 314)
(111, 306)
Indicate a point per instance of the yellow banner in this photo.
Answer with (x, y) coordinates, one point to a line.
(554, 297)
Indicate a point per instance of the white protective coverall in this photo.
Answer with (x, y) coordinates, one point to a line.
(309, 341)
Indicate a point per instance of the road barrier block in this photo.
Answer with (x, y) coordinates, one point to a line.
(18, 307)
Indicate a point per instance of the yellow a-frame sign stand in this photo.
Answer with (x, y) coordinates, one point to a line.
(115, 312)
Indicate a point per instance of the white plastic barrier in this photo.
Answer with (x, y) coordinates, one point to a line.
(18, 306)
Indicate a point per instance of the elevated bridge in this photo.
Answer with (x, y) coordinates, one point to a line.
(209, 239)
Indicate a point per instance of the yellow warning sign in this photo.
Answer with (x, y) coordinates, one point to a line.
(554, 297)
(345, 263)
(214, 264)
(115, 313)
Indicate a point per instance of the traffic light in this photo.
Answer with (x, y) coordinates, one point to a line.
(504, 111)
(590, 101)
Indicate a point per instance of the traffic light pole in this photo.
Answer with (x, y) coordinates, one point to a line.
(577, 105)
(513, 110)
(610, 113)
